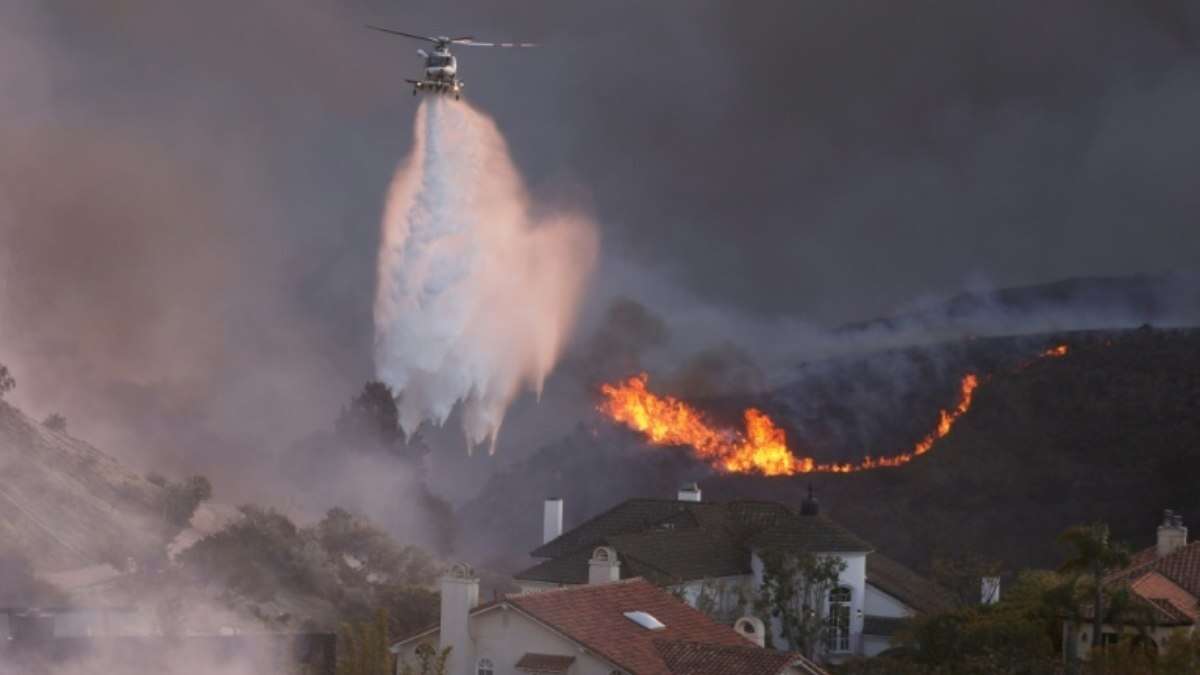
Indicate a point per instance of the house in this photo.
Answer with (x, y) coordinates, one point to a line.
(1163, 581)
(709, 554)
(624, 627)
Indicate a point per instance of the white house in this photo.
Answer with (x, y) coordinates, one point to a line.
(709, 554)
(607, 628)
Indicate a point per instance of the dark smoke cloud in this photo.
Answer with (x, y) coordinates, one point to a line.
(190, 192)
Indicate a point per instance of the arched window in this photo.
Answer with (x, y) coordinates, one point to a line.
(485, 667)
(837, 630)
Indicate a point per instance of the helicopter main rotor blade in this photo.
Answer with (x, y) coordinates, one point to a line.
(473, 43)
(402, 33)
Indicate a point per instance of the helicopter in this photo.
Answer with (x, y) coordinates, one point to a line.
(441, 68)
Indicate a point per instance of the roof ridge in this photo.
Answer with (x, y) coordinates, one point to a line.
(567, 589)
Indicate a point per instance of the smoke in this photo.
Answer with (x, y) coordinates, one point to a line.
(477, 292)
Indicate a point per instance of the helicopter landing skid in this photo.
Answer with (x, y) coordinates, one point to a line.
(438, 87)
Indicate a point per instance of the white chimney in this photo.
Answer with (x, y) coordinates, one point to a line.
(460, 594)
(552, 519)
(1172, 535)
(604, 567)
(689, 493)
(989, 590)
(752, 628)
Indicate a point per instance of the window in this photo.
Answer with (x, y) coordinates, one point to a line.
(645, 620)
(837, 632)
(485, 667)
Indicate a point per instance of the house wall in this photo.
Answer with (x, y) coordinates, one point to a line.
(504, 635)
(879, 603)
(854, 577)
(1082, 635)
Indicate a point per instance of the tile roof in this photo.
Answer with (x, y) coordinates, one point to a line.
(594, 617)
(1155, 587)
(661, 556)
(697, 658)
(907, 586)
(1182, 567)
(545, 663)
(668, 541)
(810, 534)
(738, 518)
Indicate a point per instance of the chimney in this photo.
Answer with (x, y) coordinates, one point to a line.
(1172, 535)
(689, 493)
(604, 567)
(989, 590)
(460, 594)
(752, 628)
(810, 506)
(552, 519)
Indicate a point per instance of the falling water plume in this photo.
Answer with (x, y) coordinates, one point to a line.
(476, 295)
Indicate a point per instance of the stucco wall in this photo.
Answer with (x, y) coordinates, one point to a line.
(879, 603)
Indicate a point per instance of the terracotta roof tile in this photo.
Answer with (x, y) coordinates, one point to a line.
(594, 616)
(697, 658)
(1181, 567)
(1154, 586)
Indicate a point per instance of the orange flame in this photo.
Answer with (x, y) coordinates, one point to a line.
(761, 447)
(1055, 352)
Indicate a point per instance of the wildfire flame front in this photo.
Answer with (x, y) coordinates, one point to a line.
(760, 447)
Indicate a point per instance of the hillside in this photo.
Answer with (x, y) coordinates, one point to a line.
(64, 504)
(1109, 302)
(1108, 432)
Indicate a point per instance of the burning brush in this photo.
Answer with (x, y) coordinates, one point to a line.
(760, 447)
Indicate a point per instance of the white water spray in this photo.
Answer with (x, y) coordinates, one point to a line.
(475, 297)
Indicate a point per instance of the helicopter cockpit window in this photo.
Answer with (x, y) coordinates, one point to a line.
(439, 60)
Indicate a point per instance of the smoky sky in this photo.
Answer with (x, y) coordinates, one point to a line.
(192, 192)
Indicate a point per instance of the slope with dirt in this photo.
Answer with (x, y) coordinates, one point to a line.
(65, 505)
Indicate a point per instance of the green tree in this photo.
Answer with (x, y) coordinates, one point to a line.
(794, 592)
(180, 500)
(363, 648)
(1093, 557)
(55, 422)
(430, 661)
(962, 574)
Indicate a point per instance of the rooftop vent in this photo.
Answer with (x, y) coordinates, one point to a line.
(645, 620)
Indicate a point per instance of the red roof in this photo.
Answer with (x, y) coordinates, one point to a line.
(1181, 566)
(594, 616)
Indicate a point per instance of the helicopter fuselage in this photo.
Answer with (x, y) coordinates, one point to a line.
(441, 65)
(441, 74)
